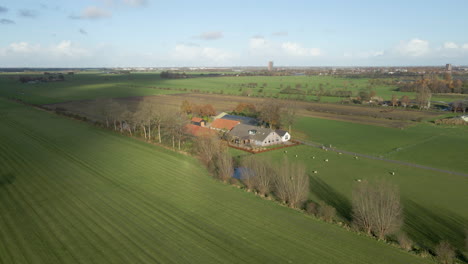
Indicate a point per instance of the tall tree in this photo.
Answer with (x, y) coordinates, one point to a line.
(270, 112)
(288, 115)
(423, 95)
(376, 207)
(292, 183)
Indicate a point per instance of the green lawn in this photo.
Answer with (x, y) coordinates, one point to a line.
(442, 147)
(90, 85)
(434, 203)
(72, 193)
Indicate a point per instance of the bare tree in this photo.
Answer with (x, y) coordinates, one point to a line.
(270, 112)
(376, 208)
(262, 174)
(423, 95)
(207, 147)
(292, 183)
(102, 109)
(445, 253)
(288, 116)
(175, 123)
(405, 101)
(224, 166)
(404, 241)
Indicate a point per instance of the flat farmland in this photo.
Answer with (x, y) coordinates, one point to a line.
(434, 203)
(72, 193)
(91, 85)
(427, 144)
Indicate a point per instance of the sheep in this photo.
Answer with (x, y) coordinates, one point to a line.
(358, 180)
(392, 173)
(339, 153)
(296, 155)
(326, 160)
(355, 157)
(286, 151)
(315, 172)
(313, 157)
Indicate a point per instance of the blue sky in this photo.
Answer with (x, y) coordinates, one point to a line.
(95, 33)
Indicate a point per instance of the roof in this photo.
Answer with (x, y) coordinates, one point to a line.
(242, 131)
(224, 124)
(197, 119)
(198, 130)
(242, 119)
(281, 132)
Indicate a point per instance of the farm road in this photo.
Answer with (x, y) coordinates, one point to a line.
(317, 145)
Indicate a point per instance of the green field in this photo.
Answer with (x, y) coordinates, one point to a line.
(434, 203)
(442, 147)
(91, 85)
(73, 193)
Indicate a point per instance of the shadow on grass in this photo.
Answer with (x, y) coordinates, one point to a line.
(429, 226)
(327, 194)
(7, 178)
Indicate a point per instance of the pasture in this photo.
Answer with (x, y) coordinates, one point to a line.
(91, 85)
(434, 203)
(427, 144)
(73, 193)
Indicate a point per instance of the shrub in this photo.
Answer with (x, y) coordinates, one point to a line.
(404, 241)
(445, 253)
(326, 212)
(311, 208)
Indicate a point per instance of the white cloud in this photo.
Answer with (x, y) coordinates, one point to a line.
(414, 48)
(465, 46)
(450, 45)
(196, 55)
(295, 49)
(93, 12)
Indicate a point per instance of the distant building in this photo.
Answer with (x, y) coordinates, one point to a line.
(270, 66)
(448, 67)
(198, 121)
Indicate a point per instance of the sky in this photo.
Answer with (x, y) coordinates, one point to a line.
(153, 33)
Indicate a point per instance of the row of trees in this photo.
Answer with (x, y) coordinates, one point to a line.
(201, 110)
(147, 118)
(437, 85)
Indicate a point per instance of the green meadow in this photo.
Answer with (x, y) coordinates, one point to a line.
(91, 85)
(74, 193)
(443, 147)
(434, 203)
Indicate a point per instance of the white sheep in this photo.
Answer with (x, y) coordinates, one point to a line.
(326, 160)
(315, 172)
(285, 151)
(358, 180)
(339, 153)
(296, 155)
(313, 157)
(392, 173)
(355, 157)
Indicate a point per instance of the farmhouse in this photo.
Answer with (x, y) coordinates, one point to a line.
(253, 135)
(285, 136)
(224, 124)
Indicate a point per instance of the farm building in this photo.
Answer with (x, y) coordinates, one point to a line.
(242, 119)
(253, 135)
(285, 136)
(198, 121)
(224, 124)
(199, 130)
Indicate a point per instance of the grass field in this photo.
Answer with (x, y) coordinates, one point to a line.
(72, 193)
(434, 203)
(442, 147)
(90, 85)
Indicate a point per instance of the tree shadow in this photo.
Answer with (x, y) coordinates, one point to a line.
(327, 194)
(429, 226)
(7, 178)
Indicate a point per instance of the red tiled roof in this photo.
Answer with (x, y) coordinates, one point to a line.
(197, 119)
(198, 130)
(224, 124)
